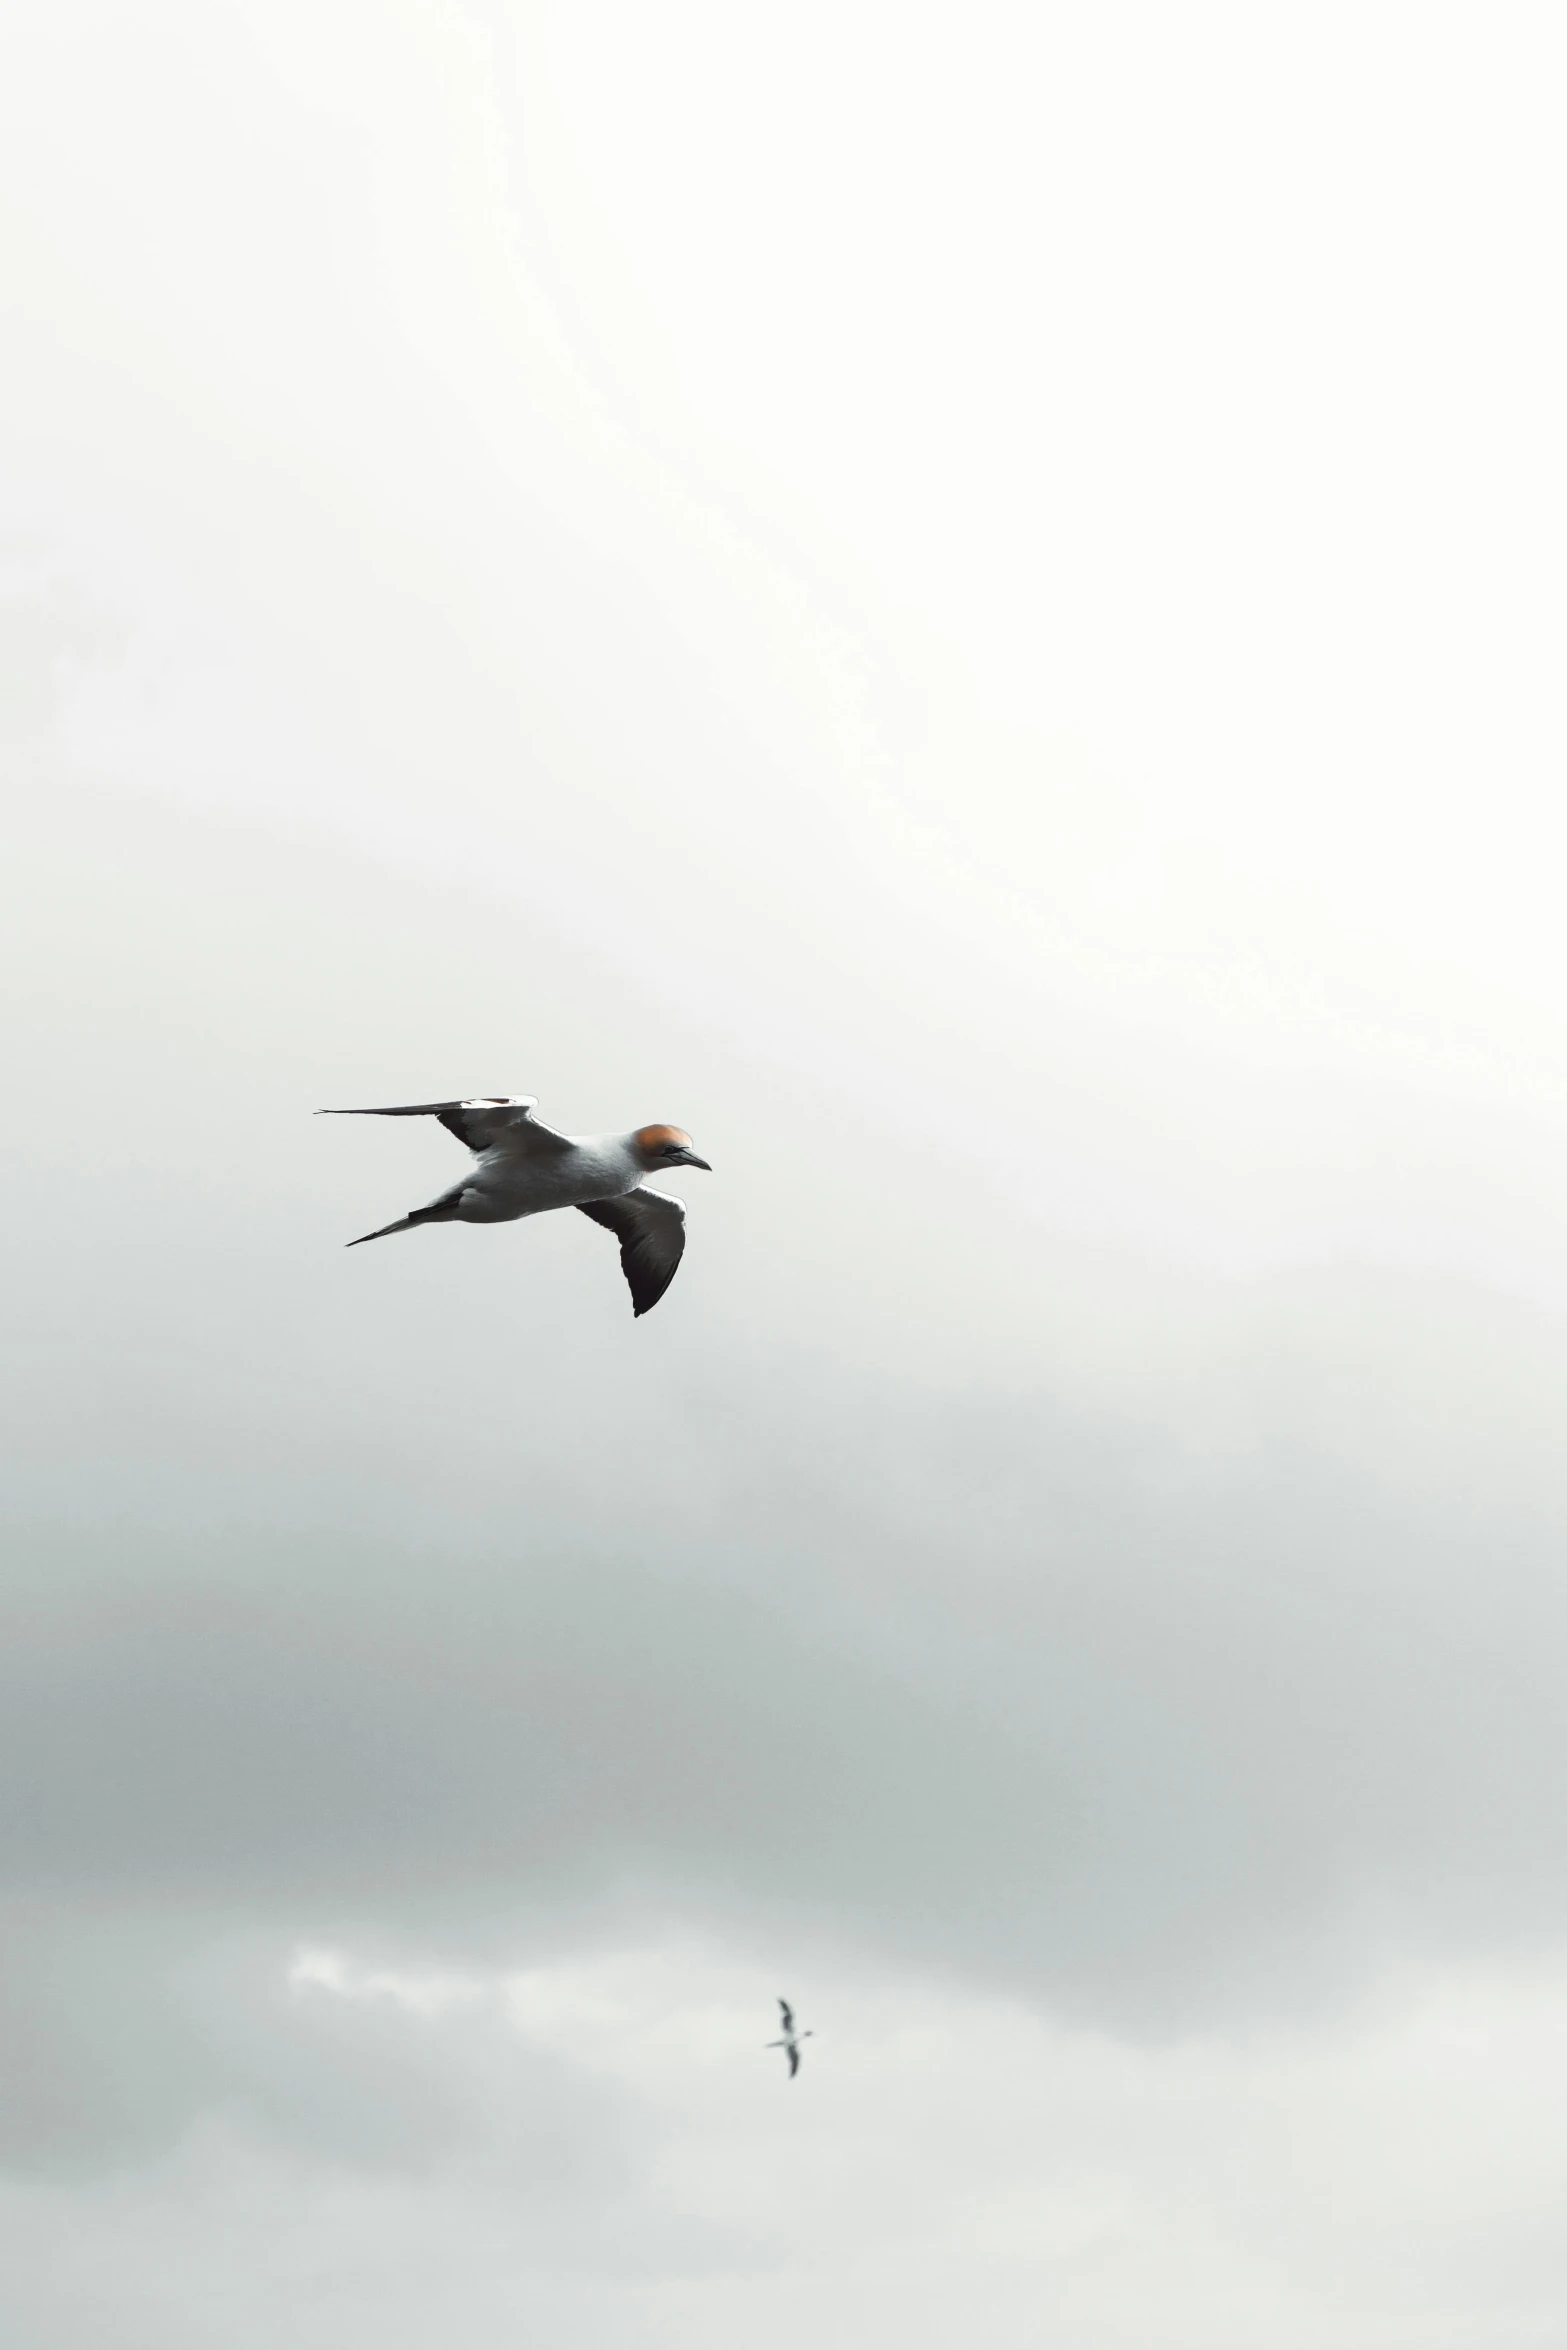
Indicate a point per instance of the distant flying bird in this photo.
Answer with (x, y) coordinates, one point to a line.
(524, 1167)
(790, 2043)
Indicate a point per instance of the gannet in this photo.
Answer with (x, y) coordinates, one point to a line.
(790, 2043)
(524, 1167)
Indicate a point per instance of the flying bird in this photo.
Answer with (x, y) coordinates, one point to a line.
(523, 1167)
(790, 2043)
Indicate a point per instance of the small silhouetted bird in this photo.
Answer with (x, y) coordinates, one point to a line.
(790, 2043)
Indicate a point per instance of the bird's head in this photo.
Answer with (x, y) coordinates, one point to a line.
(665, 1146)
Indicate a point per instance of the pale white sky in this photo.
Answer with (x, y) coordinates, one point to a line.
(968, 604)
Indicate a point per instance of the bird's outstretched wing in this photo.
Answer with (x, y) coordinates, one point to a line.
(787, 2012)
(793, 2055)
(489, 1122)
(651, 1229)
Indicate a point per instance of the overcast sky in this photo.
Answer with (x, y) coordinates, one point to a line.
(966, 602)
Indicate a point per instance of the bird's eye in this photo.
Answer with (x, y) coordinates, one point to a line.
(671, 1150)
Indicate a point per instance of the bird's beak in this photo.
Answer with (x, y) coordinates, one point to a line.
(690, 1159)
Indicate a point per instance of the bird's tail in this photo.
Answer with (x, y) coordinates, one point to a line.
(403, 1224)
(441, 1212)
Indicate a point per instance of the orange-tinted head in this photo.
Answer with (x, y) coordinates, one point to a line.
(666, 1146)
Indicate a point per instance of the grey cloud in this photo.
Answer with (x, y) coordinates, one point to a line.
(737, 1622)
(117, 2040)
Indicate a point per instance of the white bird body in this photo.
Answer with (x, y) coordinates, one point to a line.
(505, 1182)
(524, 1168)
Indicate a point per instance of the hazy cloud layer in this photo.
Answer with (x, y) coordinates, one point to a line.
(1068, 1584)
